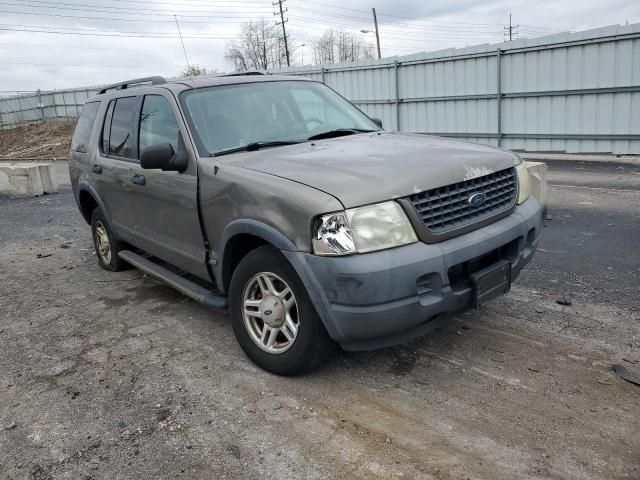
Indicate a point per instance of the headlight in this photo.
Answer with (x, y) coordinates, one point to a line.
(363, 229)
(524, 185)
(532, 181)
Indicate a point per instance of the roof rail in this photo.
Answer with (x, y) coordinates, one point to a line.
(242, 74)
(136, 81)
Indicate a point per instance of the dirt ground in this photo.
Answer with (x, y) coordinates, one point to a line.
(37, 141)
(115, 376)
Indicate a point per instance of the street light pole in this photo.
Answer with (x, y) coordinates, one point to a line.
(375, 22)
(302, 46)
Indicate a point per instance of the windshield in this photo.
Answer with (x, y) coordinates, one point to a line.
(234, 116)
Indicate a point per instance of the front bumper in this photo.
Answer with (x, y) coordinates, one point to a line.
(383, 298)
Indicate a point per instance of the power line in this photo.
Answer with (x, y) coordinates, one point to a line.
(120, 34)
(403, 26)
(145, 20)
(84, 65)
(232, 3)
(397, 16)
(403, 33)
(71, 6)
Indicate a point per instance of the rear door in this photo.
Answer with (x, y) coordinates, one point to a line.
(166, 208)
(114, 164)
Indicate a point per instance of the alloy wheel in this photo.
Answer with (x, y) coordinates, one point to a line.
(270, 312)
(102, 243)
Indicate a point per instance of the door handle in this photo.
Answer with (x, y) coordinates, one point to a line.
(138, 179)
(97, 168)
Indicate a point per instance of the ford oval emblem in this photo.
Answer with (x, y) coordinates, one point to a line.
(268, 312)
(477, 199)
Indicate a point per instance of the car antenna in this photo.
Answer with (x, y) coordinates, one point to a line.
(175, 17)
(186, 57)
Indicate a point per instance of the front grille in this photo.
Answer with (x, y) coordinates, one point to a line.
(447, 208)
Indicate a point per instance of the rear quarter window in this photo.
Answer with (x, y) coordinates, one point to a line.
(82, 134)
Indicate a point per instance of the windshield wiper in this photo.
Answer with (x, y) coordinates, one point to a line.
(339, 132)
(250, 147)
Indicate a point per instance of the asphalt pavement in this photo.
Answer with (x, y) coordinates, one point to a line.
(115, 376)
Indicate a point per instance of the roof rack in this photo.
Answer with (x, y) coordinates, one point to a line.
(242, 74)
(131, 83)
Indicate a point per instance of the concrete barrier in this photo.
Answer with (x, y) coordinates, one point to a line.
(27, 178)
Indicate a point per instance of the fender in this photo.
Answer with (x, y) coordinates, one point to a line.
(83, 185)
(252, 227)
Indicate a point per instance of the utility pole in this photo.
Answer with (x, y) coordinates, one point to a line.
(375, 22)
(511, 29)
(282, 22)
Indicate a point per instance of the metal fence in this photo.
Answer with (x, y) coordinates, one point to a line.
(570, 92)
(39, 106)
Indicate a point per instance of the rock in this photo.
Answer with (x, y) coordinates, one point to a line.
(564, 301)
(163, 414)
(387, 440)
(10, 426)
(235, 450)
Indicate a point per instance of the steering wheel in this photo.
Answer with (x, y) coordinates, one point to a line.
(313, 120)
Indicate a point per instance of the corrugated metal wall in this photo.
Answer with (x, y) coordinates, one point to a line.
(43, 105)
(571, 92)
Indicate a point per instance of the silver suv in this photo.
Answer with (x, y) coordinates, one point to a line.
(279, 199)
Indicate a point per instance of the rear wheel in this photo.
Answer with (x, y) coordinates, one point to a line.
(106, 244)
(273, 318)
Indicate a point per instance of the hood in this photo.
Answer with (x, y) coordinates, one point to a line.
(369, 168)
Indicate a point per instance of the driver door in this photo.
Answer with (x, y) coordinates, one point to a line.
(166, 206)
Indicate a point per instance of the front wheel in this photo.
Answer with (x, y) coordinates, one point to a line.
(272, 316)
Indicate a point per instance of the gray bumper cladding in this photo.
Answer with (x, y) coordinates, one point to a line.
(383, 298)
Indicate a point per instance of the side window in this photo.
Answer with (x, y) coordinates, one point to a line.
(80, 140)
(121, 142)
(106, 128)
(158, 123)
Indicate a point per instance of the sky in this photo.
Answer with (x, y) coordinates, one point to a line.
(50, 44)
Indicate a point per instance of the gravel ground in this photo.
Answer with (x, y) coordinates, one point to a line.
(114, 376)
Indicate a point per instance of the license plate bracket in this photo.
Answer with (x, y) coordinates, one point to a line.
(490, 282)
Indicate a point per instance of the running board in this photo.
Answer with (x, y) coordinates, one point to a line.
(191, 289)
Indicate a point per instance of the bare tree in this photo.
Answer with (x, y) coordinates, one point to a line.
(260, 46)
(335, 46)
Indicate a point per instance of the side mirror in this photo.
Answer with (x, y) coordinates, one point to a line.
(162, 156)
(377, 121)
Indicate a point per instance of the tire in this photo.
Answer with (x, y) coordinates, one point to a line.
(101, 232)
(311, 343)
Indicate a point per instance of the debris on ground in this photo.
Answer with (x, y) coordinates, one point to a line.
(44, 255)
(10, 426)
(564, 301)
(235, 450)
(624, 374)
(48, 140)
